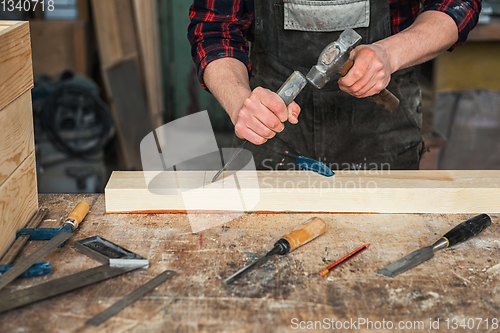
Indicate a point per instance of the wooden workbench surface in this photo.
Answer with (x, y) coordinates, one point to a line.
(458, 283)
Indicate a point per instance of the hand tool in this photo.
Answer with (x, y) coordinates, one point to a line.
(459, 234)
(78, 213)
(288, 91)
(313, 165)
(71, 282)
(301, 235)
(107, 252)
(335, 59)
(130, 298)
(21, 240)
(70, 224)
(344, 259)
(39, 268)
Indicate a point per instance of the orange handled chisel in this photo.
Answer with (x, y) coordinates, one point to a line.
(301, 235)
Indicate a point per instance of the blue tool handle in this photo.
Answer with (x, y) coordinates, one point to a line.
(40, 233)
(313, 165)
(39, 268)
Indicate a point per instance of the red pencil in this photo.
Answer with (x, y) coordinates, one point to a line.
(347, 257)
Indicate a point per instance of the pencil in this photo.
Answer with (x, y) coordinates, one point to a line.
(347, 257)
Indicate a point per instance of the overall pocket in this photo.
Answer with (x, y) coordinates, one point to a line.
(326, 16)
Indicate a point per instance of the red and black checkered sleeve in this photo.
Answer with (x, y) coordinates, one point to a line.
(465, 13)
(220, 29)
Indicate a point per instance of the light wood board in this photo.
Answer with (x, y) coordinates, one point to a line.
(305, 191)
(18, 201)
(16, 73)
(16, 134)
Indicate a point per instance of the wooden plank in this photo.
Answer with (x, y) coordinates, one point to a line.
(304, 191)
(18, 201)
(129, 108)
(16, 134)
(146, 16)
(66, 41)
(115, 30)
(16, 73)
(126, 27)
(107, 31)
(83, 10)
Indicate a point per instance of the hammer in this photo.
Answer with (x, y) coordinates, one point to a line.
(335, 59)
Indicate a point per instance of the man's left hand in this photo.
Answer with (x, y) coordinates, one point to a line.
(370, 74)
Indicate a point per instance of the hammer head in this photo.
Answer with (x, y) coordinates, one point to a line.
(333, 58)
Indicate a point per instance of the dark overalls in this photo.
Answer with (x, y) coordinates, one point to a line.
(334, 127)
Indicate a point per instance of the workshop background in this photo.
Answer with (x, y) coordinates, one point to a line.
(108, 72)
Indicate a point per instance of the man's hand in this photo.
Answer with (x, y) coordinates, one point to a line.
(370, 74)
(257, 115)
(432, 33)
(263, 115)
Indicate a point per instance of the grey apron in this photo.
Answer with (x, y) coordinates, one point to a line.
(334, 127)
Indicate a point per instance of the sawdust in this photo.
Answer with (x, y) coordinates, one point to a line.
(494, 270)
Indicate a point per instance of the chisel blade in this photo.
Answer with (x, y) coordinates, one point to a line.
(229, 162)
(408, 262)
(253, 265)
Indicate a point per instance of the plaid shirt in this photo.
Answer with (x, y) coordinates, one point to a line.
(223, 28)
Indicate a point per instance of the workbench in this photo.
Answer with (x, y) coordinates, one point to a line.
(283, 295)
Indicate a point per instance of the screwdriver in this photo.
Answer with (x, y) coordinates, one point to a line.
(301, 235)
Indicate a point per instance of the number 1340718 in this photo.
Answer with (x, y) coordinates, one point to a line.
(26, 5)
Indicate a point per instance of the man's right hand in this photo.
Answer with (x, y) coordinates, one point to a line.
(257, 115)
(263, 115)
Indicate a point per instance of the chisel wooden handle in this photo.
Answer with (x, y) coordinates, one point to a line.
(77, 215)
(384, 98)
(305, 232)
(467, 229)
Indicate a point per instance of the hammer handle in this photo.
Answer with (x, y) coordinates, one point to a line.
(384, 98)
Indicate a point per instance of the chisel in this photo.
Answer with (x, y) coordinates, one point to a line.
(301, 235)
(288, 91)
(70, 224)
(459, 234)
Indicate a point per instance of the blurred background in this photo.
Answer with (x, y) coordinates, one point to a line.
(108, 72)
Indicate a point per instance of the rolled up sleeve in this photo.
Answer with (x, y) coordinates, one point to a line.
(219, 29)
(465, 14)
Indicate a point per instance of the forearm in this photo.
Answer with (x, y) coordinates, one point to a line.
(227, 79)
(432, 33)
